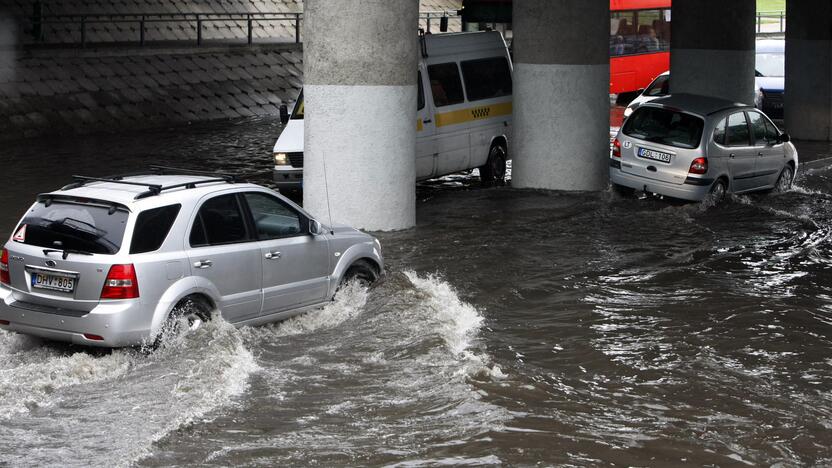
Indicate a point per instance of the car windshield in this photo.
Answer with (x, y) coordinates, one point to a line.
(659, 87)
(297, 113)
(63, 225)
(665, 126)
(771, 64)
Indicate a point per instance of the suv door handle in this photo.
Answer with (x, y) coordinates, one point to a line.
(203, 264)
(272, 255)
(760, 154)
(732, 155)
(427, 121)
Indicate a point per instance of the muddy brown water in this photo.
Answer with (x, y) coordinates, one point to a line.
(514, 328)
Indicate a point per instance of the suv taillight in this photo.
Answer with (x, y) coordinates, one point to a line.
(5, 278)
(616, 148)
(121, 283)
(699, 166)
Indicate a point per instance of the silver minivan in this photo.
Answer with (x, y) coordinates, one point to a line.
(689, 147)
(114, 262)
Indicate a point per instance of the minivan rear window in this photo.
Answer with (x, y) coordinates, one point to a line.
(65, 225)
(665, 126)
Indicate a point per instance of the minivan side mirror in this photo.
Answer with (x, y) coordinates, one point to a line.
(315, 228)
(284, 114)
(784, 138)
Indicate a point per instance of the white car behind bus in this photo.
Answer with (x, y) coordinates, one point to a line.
(464, 111)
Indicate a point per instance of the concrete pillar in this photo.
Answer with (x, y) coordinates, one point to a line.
(561, 94)
(360, 63)
(712, 48)
(809, 69)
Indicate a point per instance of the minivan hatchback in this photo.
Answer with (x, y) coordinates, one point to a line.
(111, 262)
(689, 147)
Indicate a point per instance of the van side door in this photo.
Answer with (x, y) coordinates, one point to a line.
(453, 146)
(742, 157)
(425, 131)
(771, 153)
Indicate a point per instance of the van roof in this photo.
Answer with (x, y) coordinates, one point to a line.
(456, 43)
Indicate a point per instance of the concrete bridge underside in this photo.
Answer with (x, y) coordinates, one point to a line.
(361, 92)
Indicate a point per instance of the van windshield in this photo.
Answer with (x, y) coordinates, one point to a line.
(297, 113)
(64, 225)
(665, 126)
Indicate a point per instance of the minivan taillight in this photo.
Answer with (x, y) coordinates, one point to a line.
(5, 277)
(121, 283)
(616, 148)
(699, 166)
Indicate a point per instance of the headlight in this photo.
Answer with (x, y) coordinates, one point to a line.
(280, 159)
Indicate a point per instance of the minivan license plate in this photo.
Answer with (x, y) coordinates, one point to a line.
(654, 155)
(53, 282)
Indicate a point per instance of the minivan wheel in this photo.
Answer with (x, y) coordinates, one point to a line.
(494, 170)
(784, 182)
(360, 271)
(718, 191)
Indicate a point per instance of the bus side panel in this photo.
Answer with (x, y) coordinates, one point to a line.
(633, 72)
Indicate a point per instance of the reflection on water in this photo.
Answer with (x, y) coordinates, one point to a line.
(514, 327)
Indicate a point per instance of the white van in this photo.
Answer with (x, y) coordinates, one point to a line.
(464, 117)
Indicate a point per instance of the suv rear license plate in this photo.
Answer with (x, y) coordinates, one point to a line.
(53, 282)
(654, 155)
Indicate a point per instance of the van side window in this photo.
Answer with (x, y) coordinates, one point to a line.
(738, 134)
(152, 227)
(486, 78)
(421, 93)
(719, 132)
(219, 221)
(445, 84)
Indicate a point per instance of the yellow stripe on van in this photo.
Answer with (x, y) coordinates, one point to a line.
(419, 125)
(472, 114)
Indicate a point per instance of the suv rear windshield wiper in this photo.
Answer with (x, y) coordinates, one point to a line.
(65, 252)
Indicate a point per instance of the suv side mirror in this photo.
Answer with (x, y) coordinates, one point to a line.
(284, 114)
(784, 138)
(315, 228)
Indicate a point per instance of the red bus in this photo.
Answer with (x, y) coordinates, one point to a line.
(639, 37)
(639, 43)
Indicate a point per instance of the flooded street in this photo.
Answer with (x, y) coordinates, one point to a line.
(514, 327)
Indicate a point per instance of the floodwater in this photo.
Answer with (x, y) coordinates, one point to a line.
(514, 328)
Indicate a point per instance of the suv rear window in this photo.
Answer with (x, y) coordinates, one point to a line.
(86, 227)
(152, 227)
(665, 127)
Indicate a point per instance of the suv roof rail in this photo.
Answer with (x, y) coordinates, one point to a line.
(153, 189)
(176, 170)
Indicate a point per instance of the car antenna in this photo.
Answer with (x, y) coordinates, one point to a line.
(326, 190)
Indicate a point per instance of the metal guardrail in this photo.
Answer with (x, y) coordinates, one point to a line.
(771, 22)
(80, 22)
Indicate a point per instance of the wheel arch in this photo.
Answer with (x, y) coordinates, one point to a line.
(365, 251)
(185, 287)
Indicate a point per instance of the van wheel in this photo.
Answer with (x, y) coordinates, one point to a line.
(360, 271)
(784, 182)
(718, 192)
(494, 170)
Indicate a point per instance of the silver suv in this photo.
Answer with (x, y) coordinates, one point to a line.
(687, 147)
(111, 262)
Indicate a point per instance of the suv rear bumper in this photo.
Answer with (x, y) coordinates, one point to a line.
(118, 322)
(686, 191)
(286, 177)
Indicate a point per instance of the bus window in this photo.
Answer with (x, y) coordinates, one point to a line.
(445, 84)
(639, 32)
(486, 78)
